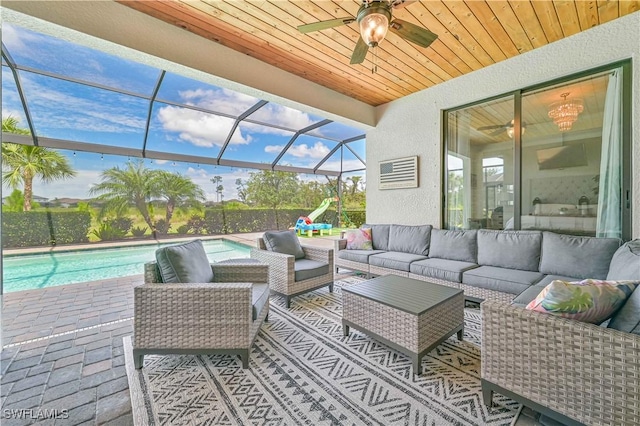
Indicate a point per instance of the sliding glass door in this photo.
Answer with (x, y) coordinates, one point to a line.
(549, 158)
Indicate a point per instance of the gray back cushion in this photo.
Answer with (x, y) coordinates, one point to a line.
(285, 242)
(510, 249)
(454, 245)
(628, 317)
(379, 236)
(410, 239)
(625, 264)
(580, 257)
(184, 263)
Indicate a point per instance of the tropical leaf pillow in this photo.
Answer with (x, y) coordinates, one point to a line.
(359, 239)
(592, 301)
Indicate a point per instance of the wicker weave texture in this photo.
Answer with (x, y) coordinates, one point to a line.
(413, 332)
(378, 270)
(228, 273)
(486, 294)
(282, 272)
(434, 280)
(588, 373)
(192, 316)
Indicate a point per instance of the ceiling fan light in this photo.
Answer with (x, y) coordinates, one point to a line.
(373, 28)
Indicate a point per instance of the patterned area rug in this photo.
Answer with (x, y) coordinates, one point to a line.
(303, 371)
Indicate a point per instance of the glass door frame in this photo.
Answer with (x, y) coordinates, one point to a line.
(626, 196)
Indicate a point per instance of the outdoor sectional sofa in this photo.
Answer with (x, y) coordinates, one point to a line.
(574, 372)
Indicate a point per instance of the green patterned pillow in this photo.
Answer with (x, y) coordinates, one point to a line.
(592, 301)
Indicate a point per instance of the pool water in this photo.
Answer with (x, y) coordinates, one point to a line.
(26, 272)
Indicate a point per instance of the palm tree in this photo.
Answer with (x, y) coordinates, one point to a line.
(10, 125)
(120, 188)
(178, 190)
(22, 163)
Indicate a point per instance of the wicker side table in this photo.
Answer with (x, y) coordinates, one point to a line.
(408, 315)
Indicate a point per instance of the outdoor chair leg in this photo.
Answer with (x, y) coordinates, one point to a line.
(331, 288)
(287, 301)
(244, 358)
(487, 396)
(138, 360)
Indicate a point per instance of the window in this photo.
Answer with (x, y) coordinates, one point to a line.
(551, 157)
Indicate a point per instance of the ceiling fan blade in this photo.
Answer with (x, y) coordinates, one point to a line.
(495, 126)
(360, 52)
(415, 34)
(497, 132)
(323, 25)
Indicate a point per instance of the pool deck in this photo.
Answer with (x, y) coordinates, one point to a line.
(62, 348)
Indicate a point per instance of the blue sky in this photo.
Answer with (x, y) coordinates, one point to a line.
(72, 111)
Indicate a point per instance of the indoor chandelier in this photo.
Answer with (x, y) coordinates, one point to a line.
(565, 112)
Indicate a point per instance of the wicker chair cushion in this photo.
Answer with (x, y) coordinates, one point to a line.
(454, 245)
(443, 269)
(305, 269)
(592, 301)
(410, 239)
(532, 292)
(359, 239)
(510, 281)
(379, 236)
(510, 249)
(628, 317)
(285, 242)
(625, 264)
(395, 260)
(581, 257)
(361, 256)
(259, 297)
(184, 263)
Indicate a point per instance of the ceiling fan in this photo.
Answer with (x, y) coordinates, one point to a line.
(375, 18)
(499, 128)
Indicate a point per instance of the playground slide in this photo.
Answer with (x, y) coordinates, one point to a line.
(323, 207)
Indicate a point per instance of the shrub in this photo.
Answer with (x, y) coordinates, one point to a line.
(107, 232)
(138, 231)
(183, 229)
(44, 228)
(197, 224)
(162, 227)
(120, 223)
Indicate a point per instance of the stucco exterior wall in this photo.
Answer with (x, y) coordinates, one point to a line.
(412, 125)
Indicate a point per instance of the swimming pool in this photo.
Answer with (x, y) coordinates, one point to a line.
(27, 272)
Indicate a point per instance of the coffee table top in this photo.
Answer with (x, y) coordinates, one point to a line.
(405, 294)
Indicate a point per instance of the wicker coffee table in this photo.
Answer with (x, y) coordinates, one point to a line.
(408, 315)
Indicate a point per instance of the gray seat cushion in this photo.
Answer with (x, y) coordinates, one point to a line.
(454, 245)
(285, 242)
(628, 317)
(625, 264)
(581, 257)
(443, 269)
(532, 292)
(259, 297)
(395, 260)
(379, 236)
(410, 239)
(510, 249)
(305, 269)
(512, 281)
(184, 263)
(361, 256)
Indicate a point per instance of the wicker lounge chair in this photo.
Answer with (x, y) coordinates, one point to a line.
(199, 318)
(291, 277)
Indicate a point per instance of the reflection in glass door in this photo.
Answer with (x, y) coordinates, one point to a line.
(564, 143)
(480, 166)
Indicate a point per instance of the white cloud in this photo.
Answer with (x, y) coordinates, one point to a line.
(221, 100)
(199, 128)
(317, 151)
(161, 161)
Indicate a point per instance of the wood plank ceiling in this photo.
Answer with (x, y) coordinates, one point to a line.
(472, 34)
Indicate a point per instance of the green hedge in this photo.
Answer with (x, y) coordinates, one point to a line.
(222, 221)
(42, 228)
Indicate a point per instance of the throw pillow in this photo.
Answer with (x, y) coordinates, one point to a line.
(589, 300)
(359, 239)
(285, 242)
(184, 263)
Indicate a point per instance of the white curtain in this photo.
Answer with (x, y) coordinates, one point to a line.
(609, 221)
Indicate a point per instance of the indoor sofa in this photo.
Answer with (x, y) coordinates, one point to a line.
(486, 264)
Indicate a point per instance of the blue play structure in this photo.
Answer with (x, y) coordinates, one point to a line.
(305, 224)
